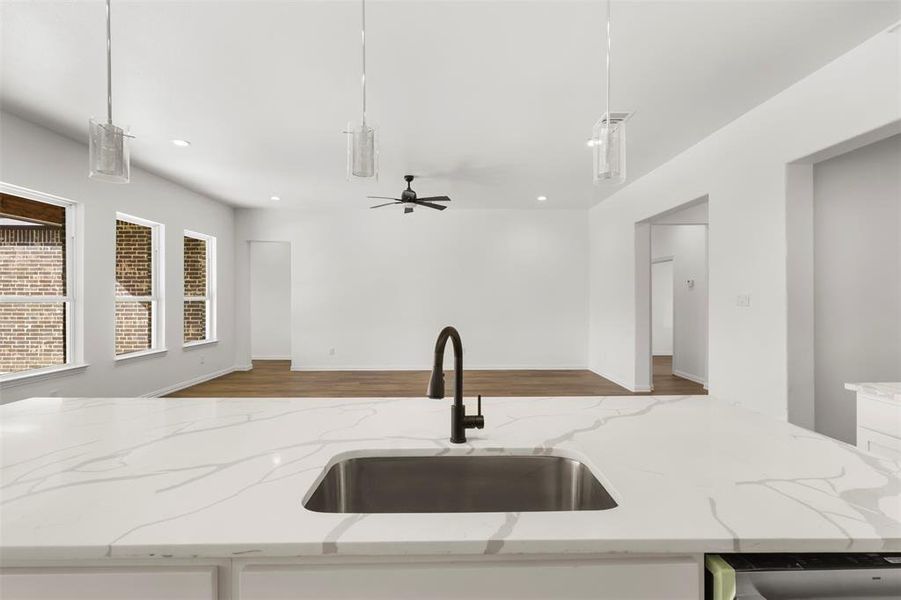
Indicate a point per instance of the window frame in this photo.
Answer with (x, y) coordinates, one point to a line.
(211, 296)
(73, 342)
(157, 288)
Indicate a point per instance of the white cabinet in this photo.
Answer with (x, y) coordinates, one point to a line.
(489, 578)
(114, 583)
(879, 425)
(884, 446)
(371, 578)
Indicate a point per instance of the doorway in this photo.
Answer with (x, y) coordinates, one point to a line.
(671, 307)
(270, 301)
(843, 263)
(662, 316)
(662, 307)
(857, 279)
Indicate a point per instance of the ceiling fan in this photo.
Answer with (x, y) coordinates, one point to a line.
(409, 200)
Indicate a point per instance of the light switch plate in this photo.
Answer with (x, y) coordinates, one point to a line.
(743, 300)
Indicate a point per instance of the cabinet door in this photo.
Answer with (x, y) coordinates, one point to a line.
(878, 414)
(125, 583)
(648, 579)
(884, 446)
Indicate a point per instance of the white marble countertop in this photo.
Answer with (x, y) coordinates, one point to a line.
(887, 390)
(139, 477)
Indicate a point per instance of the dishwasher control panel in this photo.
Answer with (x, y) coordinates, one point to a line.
(799, 576)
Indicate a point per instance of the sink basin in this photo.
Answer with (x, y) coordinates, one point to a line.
(438, 484)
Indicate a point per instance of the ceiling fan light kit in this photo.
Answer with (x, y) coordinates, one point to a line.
(108, 157)
(608, 139)
(362, 151)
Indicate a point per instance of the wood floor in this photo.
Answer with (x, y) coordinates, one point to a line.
(273, 378)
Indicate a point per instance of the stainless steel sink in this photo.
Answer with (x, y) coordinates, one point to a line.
(432, 484)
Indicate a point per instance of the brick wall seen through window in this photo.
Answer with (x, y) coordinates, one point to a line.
(197, 303)
(33, 282)
(134, 287)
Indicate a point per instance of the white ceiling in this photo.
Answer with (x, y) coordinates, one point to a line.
(490, 102)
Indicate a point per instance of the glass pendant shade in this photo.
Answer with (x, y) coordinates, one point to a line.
(608, 143)
(108, 152)
(362, 153)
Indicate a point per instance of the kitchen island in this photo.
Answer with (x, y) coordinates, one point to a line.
(210, 493)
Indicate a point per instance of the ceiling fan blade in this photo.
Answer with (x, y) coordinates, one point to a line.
(436, 199)
(383, 198)
(385, 204)
(430, 205)
(407, 210)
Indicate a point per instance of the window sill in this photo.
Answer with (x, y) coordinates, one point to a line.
(189, 345)
(142, 354)
(9, 380)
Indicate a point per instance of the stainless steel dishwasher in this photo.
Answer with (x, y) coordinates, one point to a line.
(832, 576)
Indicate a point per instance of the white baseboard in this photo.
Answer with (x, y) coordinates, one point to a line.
(622, 384)
(295, 367)
(247, 367)
(690, 377)
(186, 384)
(277, 357)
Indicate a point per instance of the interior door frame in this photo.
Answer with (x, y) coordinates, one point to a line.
(250, 267)
(655, 261)
(644, 350)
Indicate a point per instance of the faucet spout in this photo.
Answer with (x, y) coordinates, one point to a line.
(460, 421)
(436, 383)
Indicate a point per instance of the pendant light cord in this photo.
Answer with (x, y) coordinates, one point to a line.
(109, 67)
(363, 41)
(609, 45)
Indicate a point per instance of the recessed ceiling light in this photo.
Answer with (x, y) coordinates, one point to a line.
(181, 143)
(542, 198)
(275, 198)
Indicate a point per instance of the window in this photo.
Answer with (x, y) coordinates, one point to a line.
(200, 288)
(139, 311)
(36, 281)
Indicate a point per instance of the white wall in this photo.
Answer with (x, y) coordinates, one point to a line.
(742, 168)
(377, 286)
(857, 279)
(36, 158)
(270, 300)
(687, 245)
(662, 308)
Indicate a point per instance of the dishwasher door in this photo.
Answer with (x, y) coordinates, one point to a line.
(838, 584)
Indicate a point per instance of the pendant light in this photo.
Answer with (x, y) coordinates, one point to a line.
(608, 139)
(108, 144)
(362, 154)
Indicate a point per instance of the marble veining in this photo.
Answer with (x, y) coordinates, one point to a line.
(85, 478)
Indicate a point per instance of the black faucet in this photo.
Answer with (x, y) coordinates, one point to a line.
(460, 421)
